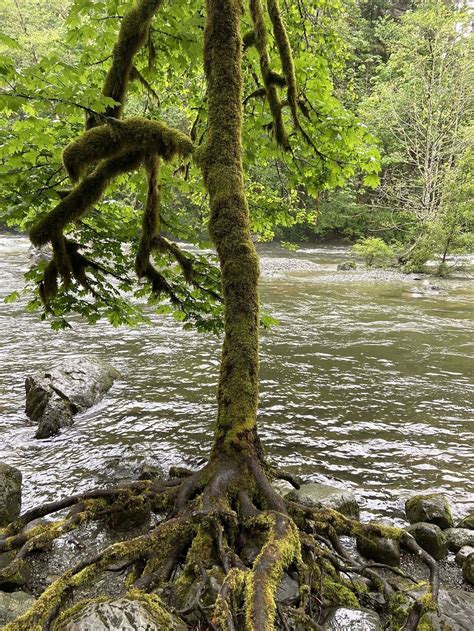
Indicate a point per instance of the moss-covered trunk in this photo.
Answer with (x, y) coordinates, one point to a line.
(229, 229)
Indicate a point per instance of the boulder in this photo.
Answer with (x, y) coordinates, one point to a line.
(379, 549)
(122, 614)
(18, 573)
(459, 537)
(456, 607)
(468, 569)
(14, 604)
(431, 538)
(10, 493)
(462, 555)
(55, 396)
(433, 509)
(325, 496)
(288, 591)
(347, 619)
(467, 521)
(347, 266)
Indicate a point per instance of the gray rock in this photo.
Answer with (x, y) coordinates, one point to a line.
(431, 538)
(468, 569)
(456, 607)
(325, 496)
(10, 493)
(459, 537)
(462, 555)
(347, 619)
(14, 604)
(346, 266)
(119, 615)
(467, 521)
(282, 487)
(288, 591)
(433, 509)
(78, 383)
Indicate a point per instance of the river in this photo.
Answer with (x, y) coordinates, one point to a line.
(366, 384)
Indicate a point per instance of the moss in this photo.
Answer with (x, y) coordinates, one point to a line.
(335, 594)
(153, 603)
(72, 611)
(221, 163)
(281, 549)
(82, 197)
(121, 137)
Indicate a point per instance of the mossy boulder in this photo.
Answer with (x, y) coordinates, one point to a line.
(14, 604)
(433, 509)
(468, 569)
(10, 493)
(325, 496)
(379, 549)
(467, 521)
(54, 396)
(459, 537)
(17, 574)
(431, 538)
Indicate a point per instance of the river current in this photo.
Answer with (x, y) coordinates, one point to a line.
(366, 384)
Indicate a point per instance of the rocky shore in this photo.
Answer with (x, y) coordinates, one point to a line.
(429, 520)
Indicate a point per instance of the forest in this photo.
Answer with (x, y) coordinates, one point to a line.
(236, 238)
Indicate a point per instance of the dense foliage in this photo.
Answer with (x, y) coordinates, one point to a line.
(47, 91)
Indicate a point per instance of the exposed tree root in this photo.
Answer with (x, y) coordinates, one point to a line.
(218, 555)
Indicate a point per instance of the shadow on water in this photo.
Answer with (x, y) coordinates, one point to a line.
(367, 380)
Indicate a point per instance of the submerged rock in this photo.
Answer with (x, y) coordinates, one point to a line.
(78, 383)
(14, 604)
(433, 508)
(122, 614)
(431, 538)
(10, 493)
(346, 266)
(325, 496)
(459, 537)
(347, 619)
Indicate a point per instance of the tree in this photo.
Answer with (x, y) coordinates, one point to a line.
(421, 113)
(210, 514)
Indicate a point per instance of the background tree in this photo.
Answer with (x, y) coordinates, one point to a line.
(210, 515)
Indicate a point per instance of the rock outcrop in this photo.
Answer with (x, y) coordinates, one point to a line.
(54, 397)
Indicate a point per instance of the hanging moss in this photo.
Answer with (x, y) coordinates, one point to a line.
(268, 76)
(134, 32)
(122, 137)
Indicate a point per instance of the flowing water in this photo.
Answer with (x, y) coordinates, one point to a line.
(366, 383)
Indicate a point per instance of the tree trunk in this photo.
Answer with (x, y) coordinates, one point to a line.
(229, 229)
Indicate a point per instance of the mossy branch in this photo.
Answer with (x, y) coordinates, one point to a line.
(117, 138)
(134, 32)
